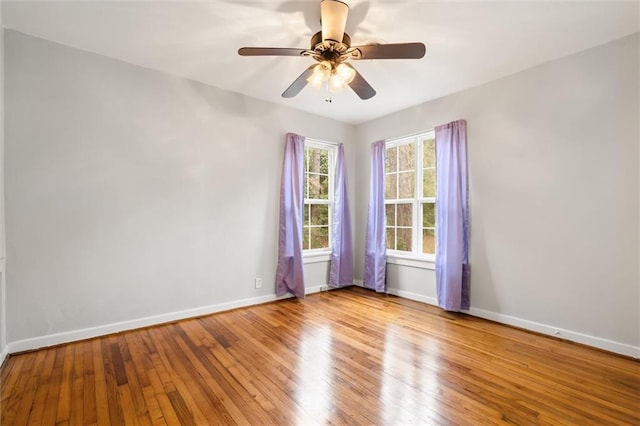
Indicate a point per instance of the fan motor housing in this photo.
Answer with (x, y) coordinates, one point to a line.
(320, 46)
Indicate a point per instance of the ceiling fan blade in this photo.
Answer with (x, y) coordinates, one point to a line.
(270, 51)
(333, 17)
(362, 88)
(391, 51)
(298, 84)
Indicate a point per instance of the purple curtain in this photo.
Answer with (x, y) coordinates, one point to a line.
(290, 273)
(452, 216)
(375, 257)
(341, 272)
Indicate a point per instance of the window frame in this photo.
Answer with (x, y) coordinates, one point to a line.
(414, 258)
(321, 254)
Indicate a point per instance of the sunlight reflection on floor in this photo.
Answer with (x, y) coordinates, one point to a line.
(406, 364)
(314, 395)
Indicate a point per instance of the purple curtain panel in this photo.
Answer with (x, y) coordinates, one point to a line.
(375, 257)
(452, 217)
(341, 272)
(290, 271)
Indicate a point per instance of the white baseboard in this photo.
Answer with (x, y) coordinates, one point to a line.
(413, 296)
(574, 336)
(88, 333)
(3, 310)
(3, 355)
(316, 289)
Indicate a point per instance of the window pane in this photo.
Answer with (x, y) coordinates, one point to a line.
(314, 160)
(390, 210)
(390, 190)
(320, 237)
(307, 152)
(391, 160)
(305, 238)
(429, 182)
(405, 232)
(429, 215)
(407, 184)
(305, 185)
(324, 161)
(406, 157)
(319, 214)
(405, 215)
(428, 241)
(404, 239)
(313, 183)
(318, 160)
(324, 187)
(318, 187)
(391, 236)
(429, 153)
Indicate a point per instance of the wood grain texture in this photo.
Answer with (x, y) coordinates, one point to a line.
(349, 356)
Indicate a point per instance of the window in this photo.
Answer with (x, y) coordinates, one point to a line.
(410, 196)
(319, 159)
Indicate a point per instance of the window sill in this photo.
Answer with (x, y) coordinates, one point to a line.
(316, 257)
(414, 262)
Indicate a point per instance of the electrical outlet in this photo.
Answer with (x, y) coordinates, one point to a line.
(258, 282)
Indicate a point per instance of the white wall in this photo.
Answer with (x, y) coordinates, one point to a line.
(134, 194)
(3, 321)
(553, 159)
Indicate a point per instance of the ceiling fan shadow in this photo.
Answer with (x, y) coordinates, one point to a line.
(357, 15)
(309, 10)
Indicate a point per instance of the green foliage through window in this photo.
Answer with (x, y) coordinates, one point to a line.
(410, 191)
(317, 204)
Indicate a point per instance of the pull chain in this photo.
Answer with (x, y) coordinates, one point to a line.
(328, 98)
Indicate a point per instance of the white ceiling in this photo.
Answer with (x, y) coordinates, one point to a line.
(468, 43)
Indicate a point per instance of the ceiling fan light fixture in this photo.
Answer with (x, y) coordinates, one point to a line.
(336, 82)
(334, 19)
(341, 75)
(321, 73)
(346, 73)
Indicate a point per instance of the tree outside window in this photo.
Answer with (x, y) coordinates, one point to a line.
(318, 195)
(410, 195)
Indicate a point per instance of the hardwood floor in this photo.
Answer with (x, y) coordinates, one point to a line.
(347, 357)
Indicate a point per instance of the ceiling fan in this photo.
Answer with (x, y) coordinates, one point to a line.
(331, 48)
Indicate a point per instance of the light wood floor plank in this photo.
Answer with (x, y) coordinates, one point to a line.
(89, 395)
(28, 392)
(101, 402)
(344, 357)
(77, 387)
(161, 396)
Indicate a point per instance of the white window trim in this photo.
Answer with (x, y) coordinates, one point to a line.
(415, 258)
(412, 261)
(316, 256)
(323, 254)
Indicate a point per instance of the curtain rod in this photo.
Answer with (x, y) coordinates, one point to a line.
(412, 135)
